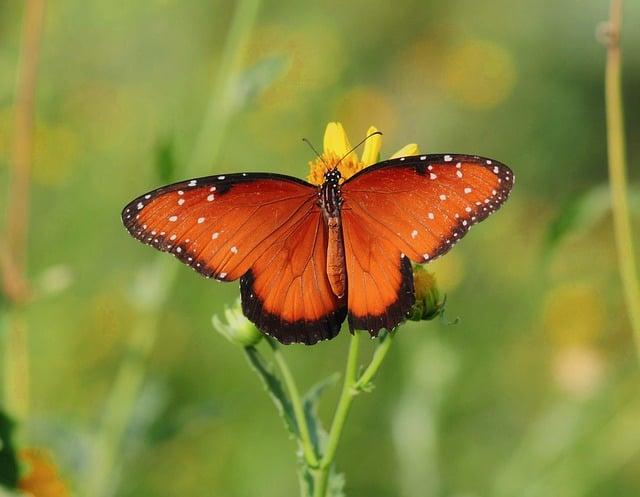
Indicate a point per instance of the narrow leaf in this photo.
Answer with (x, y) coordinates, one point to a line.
(305, 479)
(582, 213)
(310, 405)
(258, 78)
(8, 459)
(337, 483)
(274, 388)
(165, 160)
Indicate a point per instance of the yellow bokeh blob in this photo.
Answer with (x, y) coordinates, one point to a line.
(362, 105)
(480, 74)
(574, 314)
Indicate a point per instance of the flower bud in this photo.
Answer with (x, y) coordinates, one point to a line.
(237, 329)
(428, 304)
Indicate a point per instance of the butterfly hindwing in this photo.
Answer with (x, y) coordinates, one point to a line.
(418, 207)
(287, 292)
(379, 276)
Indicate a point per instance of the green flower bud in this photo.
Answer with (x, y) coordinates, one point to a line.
(428, 304)
(237, 329)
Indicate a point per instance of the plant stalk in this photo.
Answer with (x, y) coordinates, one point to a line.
(351, 387)
(130, 377)
(617, 172)
(14, 252)
(305, 438)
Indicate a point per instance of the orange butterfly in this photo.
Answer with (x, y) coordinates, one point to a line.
(307, 256)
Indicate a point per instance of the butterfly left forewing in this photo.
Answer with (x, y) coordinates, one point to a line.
(418, 207)
(219, 225)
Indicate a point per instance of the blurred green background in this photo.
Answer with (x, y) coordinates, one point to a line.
(535, 391)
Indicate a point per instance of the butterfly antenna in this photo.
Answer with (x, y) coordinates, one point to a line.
(364, 140)
(315, 152)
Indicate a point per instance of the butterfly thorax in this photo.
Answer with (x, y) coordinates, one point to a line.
(330, 203)
(330, 200)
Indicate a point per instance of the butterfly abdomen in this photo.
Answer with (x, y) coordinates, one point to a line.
(336, 270)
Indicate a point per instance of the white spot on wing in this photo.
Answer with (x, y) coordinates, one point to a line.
(200, 220)
(448, 158)
(432, 176)
(234, 249)
(215, 235)
(414, 233)
(173, 219)
(210, 197)
(443, 197)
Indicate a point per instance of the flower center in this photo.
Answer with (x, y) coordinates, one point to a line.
(318, 167)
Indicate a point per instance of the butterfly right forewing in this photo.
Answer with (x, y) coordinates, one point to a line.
(413, 208)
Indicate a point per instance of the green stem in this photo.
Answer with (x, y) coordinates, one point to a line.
(378, 356)
(16, 364)
(305, 438)
(340, 417)
(131, 373)
(14, 245)
(617, 172)
(352, 386)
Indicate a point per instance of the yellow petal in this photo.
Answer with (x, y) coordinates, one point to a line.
(371, 152)
(406, 151)
(335, 140)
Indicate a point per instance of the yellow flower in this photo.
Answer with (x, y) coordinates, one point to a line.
(41, 478)
(337, 146)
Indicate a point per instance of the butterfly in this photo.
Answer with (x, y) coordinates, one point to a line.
(310, 256)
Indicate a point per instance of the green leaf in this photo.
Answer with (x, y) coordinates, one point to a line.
(310, 406)
(8, 459)
(258, 78)
(578, 215)
(582, 213)
(274, 388)
(305, 479)
(165, 160)
(336, 485)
